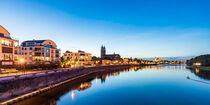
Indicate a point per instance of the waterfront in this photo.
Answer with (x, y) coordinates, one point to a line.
(148, 85)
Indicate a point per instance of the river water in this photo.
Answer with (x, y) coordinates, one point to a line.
(147, 85)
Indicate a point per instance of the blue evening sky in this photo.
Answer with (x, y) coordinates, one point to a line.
(132, 28)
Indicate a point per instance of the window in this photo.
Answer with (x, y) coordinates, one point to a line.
(47, 59)
(16, 52)
(47, 54)
(7, 50)
(16, 44)
(2, 41)
(6, 57)
(38, 58)
(10, 43)
(6, 42)
(47, 50)
(31, 44)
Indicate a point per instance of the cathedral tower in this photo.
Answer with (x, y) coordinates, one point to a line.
(103, 51)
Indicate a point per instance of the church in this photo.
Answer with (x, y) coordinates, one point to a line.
(108, 56)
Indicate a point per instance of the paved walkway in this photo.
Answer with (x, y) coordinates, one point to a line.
(20, 72)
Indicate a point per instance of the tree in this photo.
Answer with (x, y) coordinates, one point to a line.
(67, 51)
(62, 61)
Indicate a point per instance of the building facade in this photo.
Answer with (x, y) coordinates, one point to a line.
(79, 58)
(9, 49)
(108, 56)
(39, 51)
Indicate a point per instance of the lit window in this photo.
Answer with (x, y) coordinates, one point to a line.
(16, 44)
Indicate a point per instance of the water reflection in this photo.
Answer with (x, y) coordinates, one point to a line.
(82, 84)
(204, 74)
(72, 95)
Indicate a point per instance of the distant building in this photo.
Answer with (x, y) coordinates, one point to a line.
(197, 64)
(158, 60)
(8, 49)
(39, 51)
(108, 56)
(79, 58)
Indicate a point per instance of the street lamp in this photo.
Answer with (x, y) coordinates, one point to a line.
(22, 61)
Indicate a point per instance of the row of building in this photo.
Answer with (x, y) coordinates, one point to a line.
(46, 51)
(35, 52)
(32, 51)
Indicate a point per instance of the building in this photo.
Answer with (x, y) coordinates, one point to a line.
(39, 51)
(158, 60)
(109, 56)
(79, 58)
(197, 64)
(9, 49)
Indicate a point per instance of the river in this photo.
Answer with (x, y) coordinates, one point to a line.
(147, 85)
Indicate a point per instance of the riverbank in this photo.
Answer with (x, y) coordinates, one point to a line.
(17, 88)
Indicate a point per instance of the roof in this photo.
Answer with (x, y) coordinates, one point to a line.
(4, 31)
(112, 55)
(37, 41)
(43, 43)
(2, 35)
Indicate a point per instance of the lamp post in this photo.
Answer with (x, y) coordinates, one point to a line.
(22, 61)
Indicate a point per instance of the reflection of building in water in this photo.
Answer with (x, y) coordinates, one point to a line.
(96, 79)
(84, 86)
(116, 73)
(72, 95)
(197, 70)
(103, 78)
(205, 74)
(168, 67)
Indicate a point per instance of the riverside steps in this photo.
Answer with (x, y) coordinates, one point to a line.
(16, 88)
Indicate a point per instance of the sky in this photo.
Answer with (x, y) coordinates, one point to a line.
(132, 28)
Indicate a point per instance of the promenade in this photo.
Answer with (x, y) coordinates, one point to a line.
(20, 72)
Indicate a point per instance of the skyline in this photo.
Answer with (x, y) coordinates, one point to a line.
(141, 29)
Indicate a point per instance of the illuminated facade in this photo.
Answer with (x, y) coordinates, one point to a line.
(9, 49)
(158, 60)
(79, 58)
(39, 51)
